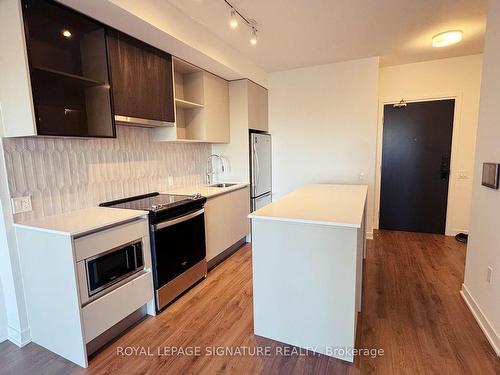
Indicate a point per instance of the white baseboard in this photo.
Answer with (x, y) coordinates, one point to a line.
(487, 328)
(20, 338)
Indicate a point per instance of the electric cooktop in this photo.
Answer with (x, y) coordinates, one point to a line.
(159, 205)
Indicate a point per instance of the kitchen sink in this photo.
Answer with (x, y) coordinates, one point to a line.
(222, 185)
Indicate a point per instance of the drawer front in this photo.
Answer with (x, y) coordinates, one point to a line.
(103, 313)
(97, 243)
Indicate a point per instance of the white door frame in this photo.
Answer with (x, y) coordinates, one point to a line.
(457, 96)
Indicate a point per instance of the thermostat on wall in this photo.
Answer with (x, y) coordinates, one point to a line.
(490, 175)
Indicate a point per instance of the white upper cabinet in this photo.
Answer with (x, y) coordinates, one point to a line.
(257, 107)
(201, 107)
(216, 109)
(17, 115)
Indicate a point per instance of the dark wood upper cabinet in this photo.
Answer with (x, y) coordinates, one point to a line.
(142, 82)
(69, 71)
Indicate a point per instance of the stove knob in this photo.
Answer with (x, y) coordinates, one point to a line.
(197, 196)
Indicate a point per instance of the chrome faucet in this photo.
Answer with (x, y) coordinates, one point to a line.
(210, 167)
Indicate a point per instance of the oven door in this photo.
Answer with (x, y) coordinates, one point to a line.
(179, 243)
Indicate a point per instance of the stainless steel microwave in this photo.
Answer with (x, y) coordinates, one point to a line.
(110, 269)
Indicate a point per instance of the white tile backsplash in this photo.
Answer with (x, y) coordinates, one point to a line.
(63, 174)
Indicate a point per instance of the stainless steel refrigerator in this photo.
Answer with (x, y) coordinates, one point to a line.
(260, 169)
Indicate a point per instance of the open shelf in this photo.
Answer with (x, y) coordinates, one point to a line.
(186, 104)
(201, 107)
(83, 81)
(183, 67)
(189, 101)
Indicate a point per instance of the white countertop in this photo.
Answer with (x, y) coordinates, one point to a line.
(207, 191)
(336, 205)
(75, 223)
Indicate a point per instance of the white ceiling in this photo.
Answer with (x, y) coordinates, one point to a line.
(297, 33)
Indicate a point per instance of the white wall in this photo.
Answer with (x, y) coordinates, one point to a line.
(10, 271)
(4, 260)
(459, 76)
(483, 249)
(4, 264)
(323, 120)
(3, 315)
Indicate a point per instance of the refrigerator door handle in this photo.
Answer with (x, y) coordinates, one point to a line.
(257, 167)
(267, 198)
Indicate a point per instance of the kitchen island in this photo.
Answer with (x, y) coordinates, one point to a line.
(308, 250)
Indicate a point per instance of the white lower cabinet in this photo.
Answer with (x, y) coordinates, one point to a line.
(226, 220)
(105, 312)
(62, 316)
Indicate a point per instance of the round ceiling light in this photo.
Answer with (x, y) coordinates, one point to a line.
(447, 38)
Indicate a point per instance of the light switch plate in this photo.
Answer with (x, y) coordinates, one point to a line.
(170, 180)
(21, 204)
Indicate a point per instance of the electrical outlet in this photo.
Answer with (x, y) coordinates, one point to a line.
(21, 204)
(463, 175)
(170, 180)
(489, 275)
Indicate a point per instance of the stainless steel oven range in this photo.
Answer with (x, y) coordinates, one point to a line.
(178, 248)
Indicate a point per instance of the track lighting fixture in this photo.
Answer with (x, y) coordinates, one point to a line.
(234, 22)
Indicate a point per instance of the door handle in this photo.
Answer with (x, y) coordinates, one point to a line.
(257, 168)
(445, 167)
(177, 220)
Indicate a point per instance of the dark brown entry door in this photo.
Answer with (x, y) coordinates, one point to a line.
(416, 155)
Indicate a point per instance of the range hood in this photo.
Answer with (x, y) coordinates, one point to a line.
(142, 122)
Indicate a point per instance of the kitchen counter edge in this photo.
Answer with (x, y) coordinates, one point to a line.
(82, 222)
(208, 191)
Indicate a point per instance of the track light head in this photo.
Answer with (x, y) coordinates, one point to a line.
(233, 22)
(253, 37)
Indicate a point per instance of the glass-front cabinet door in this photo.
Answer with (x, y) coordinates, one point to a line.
(69, 71)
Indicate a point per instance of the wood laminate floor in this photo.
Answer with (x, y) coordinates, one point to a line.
(412, 310)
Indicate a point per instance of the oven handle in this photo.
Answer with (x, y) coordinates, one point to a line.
(177, 220)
